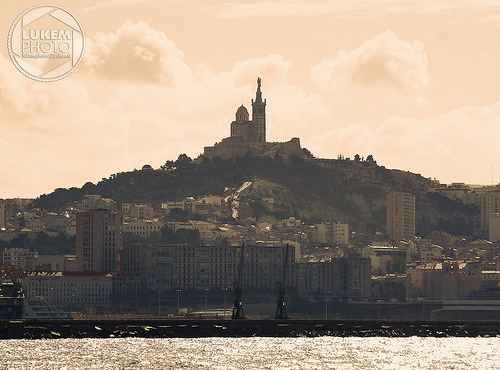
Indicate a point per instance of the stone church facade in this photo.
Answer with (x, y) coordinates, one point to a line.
(248, 137)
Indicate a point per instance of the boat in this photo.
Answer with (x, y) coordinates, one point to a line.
(39, 309)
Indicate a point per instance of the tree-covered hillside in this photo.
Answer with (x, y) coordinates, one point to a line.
(352, 191)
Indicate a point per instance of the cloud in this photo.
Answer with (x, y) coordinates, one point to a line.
(344, 9)
(136, 52)
(493, 18)
(114, 3)
(384, 60)
(274, 67)
(133, 100)
(461, 144)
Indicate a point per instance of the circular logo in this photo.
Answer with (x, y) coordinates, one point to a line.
(46, 43)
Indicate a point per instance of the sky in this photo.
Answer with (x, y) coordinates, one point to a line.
(415, 83)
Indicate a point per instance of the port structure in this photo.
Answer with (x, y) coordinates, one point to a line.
(238, 301)
(281, 304)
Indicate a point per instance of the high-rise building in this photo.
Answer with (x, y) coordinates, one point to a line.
(400, 215)
(490, 203)
(2, 213)
(494, 231)
(98, 240)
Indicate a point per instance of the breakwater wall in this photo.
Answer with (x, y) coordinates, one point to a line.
(198, 328)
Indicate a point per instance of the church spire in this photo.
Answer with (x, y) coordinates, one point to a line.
(258, 116)
(258, 95)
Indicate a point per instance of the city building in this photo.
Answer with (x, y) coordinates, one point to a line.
(98, 240)
(445, 280)
(20, 257)
(97, 202)
(390, 288)
(70, 290)
(494, 227)
(490, 203)
(55, 262)
(143, 228)
(2, 214)
(164, 267)
(430, 252)
(127, 206)
(182, 205)
(344, 278)
(384, 256)
(142, 212)
(249, 136)
(331, 232)
(400, 215)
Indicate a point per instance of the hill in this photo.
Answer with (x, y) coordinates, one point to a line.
(313, 190)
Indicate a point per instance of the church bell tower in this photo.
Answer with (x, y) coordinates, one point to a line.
(259, 116)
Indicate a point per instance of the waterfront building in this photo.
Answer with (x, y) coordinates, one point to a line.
(390, 288)
(446, 280)
(70, 290)
(166, 267)
(344, 278)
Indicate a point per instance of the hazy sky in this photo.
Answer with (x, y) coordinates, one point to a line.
(415, 83)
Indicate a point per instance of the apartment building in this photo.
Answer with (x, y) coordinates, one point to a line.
(400, 215)
(20, 257)
(336, 233)
(98, 240)
(490, 203)
(143, 228)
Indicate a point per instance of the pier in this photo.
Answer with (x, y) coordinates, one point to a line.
(199, 328)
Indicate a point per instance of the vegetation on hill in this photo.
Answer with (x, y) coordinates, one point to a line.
(166, 236)
(345, 190)
(42, 242)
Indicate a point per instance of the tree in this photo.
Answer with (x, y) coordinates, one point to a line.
(396, 266)
(182, 160)
(369, 158)
(357, 158)
(168, 166)
(147, 167)
(308, 154)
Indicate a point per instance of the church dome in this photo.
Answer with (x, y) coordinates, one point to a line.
(242, 114)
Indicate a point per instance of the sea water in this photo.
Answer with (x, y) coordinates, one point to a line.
(252, 353)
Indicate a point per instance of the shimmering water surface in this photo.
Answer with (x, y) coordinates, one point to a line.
(253, 353)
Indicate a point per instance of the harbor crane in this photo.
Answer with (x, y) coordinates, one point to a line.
(238, 302)
(281, 304)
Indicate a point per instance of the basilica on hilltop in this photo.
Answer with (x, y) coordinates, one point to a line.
(248, 137)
